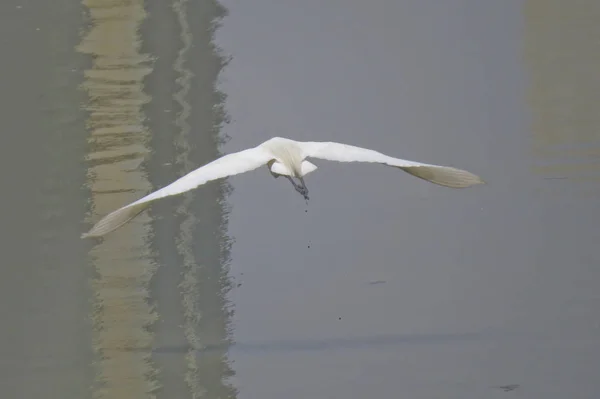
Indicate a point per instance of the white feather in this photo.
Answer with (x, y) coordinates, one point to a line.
(228, 165)
(442, 175)
(283, 157)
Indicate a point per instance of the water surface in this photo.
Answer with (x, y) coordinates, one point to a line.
(387, 286)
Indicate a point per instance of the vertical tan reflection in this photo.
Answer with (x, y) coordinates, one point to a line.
(117, 141)
(563, 53)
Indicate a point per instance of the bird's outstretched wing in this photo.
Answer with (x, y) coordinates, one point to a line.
(228, 165)
(442, 175)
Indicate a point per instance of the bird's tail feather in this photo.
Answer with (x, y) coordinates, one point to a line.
(116, 219)
(444, 175)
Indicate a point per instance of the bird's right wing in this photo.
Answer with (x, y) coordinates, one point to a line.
(228, 165)
(442, 175)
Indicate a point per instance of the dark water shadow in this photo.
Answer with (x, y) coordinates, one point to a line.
(334, 344)
(189, 238)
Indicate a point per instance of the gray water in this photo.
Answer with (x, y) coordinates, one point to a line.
(386, 286)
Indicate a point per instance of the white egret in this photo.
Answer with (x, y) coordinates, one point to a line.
(283, 157)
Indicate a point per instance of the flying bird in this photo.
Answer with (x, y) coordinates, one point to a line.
(283, 157)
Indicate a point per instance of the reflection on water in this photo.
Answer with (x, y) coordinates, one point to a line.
(563, 51)
(200, 238)
(44, 296)
(371, 342)
(118, 138)
(161, 278)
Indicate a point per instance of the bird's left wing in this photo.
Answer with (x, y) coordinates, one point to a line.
(441, 175)
(228, 165)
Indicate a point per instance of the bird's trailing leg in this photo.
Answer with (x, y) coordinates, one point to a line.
(301, 188)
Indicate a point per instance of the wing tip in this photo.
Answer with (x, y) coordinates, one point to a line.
(460, 179)
(89, 234)
(114, 220)
(93, 232)
(445, 176)
(468, 179)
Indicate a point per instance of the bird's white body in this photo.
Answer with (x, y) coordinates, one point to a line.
(283, 157)
(289, 158)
